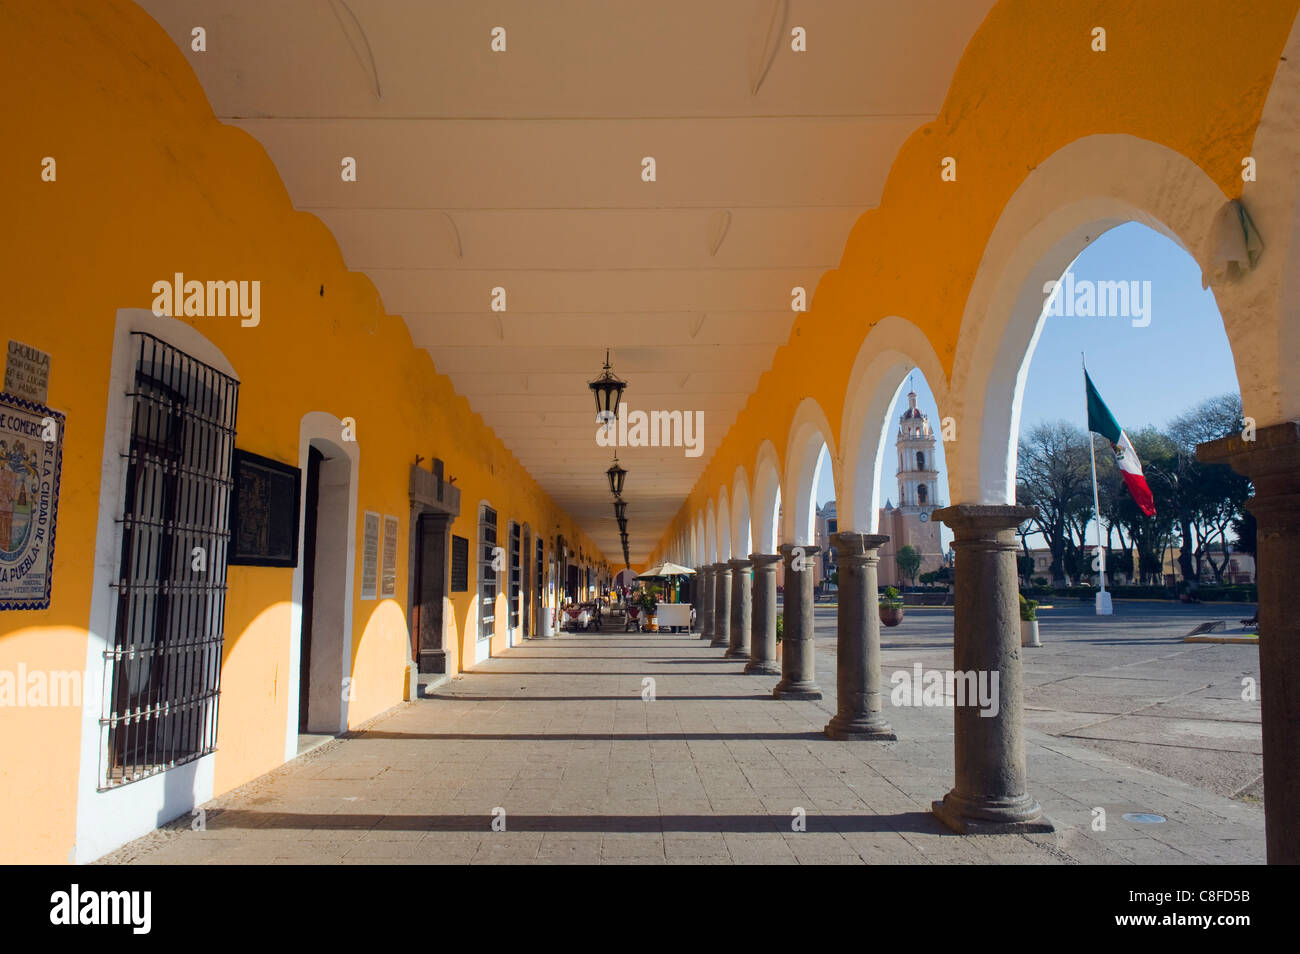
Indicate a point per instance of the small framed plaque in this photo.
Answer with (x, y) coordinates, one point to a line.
(264, 507)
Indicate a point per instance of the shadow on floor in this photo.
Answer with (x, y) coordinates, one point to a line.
(591, 736)
(920, 822)
(605, 672)
(629, 697)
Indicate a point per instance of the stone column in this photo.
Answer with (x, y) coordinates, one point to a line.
(704, 604)
(990, 795)
(1272, 462)
(857, 657)
(762, 631)
(798, 649)
(721, 605)
(738, 647)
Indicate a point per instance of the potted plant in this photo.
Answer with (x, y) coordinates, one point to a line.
(648, 601)
(891, 607)
(1028, 622)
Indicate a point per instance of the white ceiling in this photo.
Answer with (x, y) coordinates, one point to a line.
(522, 169)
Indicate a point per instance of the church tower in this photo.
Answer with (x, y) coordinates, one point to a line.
(918, 481)
(909, 523)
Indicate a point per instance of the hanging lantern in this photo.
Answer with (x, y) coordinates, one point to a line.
(608, 391)
(622, 524)
(620, 509)
(616, 474)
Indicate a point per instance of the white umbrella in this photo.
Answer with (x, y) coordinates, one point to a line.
(667, 570)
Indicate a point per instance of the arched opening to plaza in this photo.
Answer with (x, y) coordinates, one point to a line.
(314, 420)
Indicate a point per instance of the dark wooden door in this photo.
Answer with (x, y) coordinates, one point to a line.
(310, 500)
(430, 572)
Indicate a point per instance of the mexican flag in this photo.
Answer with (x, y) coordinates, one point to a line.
(1102, 422)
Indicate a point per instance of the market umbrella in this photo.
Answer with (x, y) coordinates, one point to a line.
(666, 571)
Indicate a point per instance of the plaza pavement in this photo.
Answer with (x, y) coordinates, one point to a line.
(556, 733)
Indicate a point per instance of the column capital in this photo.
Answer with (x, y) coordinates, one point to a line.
(1276, 447)
(763, 561)
(852, 545)
(983, 520)
(740, 563)
(809, 549)
(1271, 461)
(720, 567)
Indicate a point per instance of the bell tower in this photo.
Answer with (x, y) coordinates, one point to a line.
(918, 480)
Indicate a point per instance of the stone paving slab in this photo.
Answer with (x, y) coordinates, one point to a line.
(714, 770)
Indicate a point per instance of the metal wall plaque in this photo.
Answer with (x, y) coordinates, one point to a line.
(370, 556)
(388, 578)
(31, 458)
(264, 512)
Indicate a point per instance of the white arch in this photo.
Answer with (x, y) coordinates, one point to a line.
(701, 557)
(724, 527)
(808, 432)
(741, 534)
(767, 491)
(892, 349)
(1082, 190)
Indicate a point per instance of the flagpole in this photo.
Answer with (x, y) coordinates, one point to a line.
(1103, 598)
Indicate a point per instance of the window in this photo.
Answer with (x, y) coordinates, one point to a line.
(487, 574)
(922, 494)
(920, 460)
(516, 575)
(163, 666)
(459, 564)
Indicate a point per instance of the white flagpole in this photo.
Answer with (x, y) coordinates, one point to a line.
(1103, 598)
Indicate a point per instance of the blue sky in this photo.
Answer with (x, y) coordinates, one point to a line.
(1146, 375)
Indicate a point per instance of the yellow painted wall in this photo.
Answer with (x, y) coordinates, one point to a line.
(1191, 75)
(148, 184)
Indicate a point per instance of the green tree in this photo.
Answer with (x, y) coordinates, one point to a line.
(909, 562)
(1053, 475)
(1150, 535)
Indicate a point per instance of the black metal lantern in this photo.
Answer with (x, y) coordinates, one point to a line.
(620, 510)
(616, 474)
(608, 391)
(622, 524)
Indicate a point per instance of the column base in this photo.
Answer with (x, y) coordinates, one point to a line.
(720, 642)
(734, 653)
(860, 730)
(797, 690)
(993, 816)
(763, 669)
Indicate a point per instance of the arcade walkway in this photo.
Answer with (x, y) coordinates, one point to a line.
(710, 771)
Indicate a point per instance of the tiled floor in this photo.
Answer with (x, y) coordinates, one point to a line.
(555, 743)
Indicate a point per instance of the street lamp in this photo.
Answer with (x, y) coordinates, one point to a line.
(608, 392)
(620, 509)
(616, 474)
